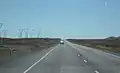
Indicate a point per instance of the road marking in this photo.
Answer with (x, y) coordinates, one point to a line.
(96, 71)
(112, 55)
(38, 61)
(79, 55)
(85, 61)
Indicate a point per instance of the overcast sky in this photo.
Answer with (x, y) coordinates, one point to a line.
(62, 18)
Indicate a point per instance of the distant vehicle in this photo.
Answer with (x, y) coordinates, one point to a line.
(61, 42)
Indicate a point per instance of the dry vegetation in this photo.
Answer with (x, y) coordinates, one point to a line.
(111, 44)
(18, 47)
(25, 45)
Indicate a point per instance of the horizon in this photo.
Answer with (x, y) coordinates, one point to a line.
(56, 37)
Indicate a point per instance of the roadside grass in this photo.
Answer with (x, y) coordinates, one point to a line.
(104, 48)
(19, 47)
(25, 45)
(111, 46)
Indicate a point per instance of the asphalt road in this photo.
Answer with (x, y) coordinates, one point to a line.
(64, 58)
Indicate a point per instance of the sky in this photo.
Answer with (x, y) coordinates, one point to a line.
(61, 18)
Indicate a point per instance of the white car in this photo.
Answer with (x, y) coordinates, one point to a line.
(61, 42)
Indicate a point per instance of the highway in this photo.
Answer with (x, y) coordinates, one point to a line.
(64, 58)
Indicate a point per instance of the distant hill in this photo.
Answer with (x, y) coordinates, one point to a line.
(113, 38)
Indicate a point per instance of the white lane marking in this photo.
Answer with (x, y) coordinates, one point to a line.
(79, 55)
(85, 61)
(111, 55)
(38, 61)
(96, 71)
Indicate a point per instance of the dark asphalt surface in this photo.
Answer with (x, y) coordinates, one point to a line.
(65, 58)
